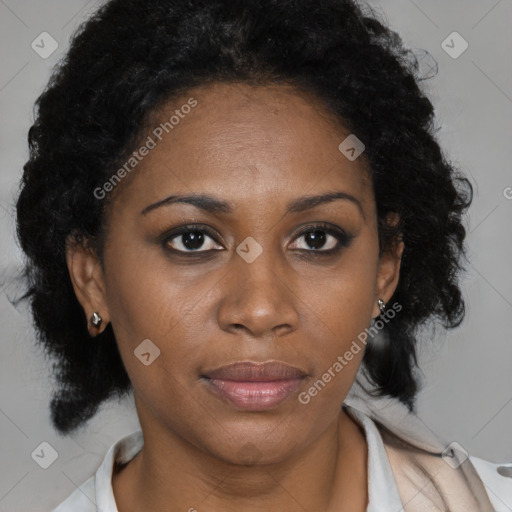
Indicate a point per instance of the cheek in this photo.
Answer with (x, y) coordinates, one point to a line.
(338, 352)
(149, 299)
(342, 307)
(347, 295)
(145, 295)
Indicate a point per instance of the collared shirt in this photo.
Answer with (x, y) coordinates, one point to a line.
(96, 494)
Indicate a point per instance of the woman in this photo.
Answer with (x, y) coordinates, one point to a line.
(234, 209)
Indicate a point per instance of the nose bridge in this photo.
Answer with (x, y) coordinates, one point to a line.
(258, 266)
(257, 295)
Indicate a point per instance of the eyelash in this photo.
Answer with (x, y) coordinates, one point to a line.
(344, 239)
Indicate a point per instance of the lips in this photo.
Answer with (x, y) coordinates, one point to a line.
(256, 372)
(254, 386)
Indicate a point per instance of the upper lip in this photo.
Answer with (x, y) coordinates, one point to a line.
(248, 371)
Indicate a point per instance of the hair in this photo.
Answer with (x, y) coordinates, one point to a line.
(133, 55)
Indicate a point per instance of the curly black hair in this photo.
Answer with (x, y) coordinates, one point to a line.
(130, 57)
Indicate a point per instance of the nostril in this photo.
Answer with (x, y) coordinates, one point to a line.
(505, 471)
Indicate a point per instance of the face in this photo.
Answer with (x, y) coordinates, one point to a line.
(250, 274)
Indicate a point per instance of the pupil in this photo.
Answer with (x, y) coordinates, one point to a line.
(315, 239)
(193, 239)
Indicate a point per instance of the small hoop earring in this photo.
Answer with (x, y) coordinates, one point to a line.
(96, 319)
(382, 305)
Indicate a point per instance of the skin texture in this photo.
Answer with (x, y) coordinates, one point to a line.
(257, 147)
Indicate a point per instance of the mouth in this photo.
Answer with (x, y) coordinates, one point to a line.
(254, 386)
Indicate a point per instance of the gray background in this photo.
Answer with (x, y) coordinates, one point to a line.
(467, 395)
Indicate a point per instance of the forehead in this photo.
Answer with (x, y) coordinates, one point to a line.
(247, 144)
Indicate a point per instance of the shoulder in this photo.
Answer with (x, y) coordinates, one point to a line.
(450, 479)
(83, 499)
(497, 479)
(428, 472)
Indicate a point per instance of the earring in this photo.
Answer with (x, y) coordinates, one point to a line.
(96, 319)
(382, 305)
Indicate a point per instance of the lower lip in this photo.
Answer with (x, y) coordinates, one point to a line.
(254, 396)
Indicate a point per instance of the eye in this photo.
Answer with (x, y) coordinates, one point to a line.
(322, 238)
(190, 239)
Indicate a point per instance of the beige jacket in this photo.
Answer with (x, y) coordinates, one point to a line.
(430, 475)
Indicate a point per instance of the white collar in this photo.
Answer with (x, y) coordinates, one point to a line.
(121, 451)
(382, 489)
(394, 415)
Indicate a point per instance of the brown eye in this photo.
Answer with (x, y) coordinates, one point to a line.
(322, 239)
(191, 239)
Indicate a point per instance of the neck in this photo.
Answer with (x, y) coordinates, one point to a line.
(330, 474)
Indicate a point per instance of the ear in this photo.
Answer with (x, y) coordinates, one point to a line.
(87, 278)
(389, 269)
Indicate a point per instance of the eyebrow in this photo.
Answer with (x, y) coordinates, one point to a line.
(214, 205)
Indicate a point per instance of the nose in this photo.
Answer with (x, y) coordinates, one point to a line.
(259, 297)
